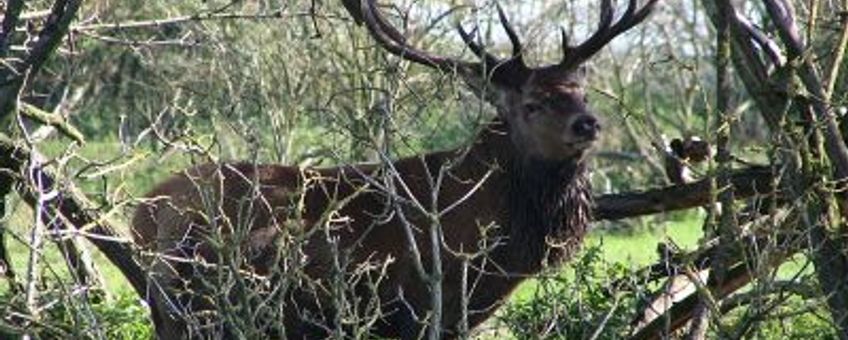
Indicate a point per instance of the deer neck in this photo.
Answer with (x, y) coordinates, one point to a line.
(546, 205)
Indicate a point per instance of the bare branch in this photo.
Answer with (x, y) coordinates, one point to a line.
(54, 120)
(836, 64)
(55, 27)
(13, 77)
(276, 14)
(682, 311)
(10, 19)
(782, 15)
(71, 205)
(746, 183)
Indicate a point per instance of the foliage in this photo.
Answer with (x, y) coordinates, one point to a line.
(796, 319)
(94, 317)
(593, 296)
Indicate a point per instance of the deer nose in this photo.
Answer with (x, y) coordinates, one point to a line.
(586, 127)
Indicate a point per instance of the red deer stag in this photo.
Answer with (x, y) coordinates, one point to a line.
(524, 174)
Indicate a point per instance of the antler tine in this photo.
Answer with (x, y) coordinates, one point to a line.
(607, 12)
(488, 59)
(566, 50)
(517, 49)
(632, 17)
(511, 69)
(573, 56)
(394, 42)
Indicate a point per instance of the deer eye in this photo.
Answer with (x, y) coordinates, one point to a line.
(532, 107)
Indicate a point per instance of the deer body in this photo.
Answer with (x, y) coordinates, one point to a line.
(524, 238)
(515, 199)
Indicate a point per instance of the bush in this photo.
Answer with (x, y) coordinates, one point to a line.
(596, 296)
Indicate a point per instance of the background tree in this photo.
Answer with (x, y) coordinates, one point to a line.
(102, 99)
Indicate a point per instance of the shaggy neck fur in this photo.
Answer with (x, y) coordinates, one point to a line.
(548, 205)
(549, 211)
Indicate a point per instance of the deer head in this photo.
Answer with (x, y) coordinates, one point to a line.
(544, 107)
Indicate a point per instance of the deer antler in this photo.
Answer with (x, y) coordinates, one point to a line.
(504, 71)
(576, 55)
(513, 70)
(394, 42)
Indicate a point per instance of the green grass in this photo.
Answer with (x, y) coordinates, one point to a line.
(639, 247)
(635, 249)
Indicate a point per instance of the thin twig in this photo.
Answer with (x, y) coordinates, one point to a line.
(782, 15)
(177, 20)
(838, 57)
(138, 43)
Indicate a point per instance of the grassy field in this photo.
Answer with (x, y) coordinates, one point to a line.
(634, 248)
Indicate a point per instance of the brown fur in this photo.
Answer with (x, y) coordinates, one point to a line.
(541, 210)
